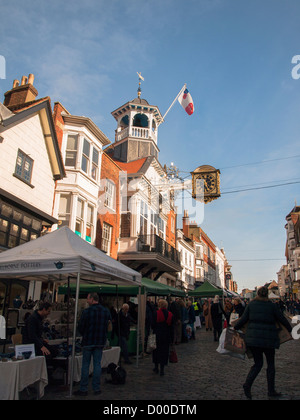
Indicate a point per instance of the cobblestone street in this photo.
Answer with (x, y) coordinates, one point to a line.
(200, 374)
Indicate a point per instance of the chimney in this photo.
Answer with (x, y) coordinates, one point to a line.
(185, 223)
(21, 94)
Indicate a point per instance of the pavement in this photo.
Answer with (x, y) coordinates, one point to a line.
(200, 374)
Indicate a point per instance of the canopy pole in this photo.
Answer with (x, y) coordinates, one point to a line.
(74, 334)
(118, 322)
(138, 329)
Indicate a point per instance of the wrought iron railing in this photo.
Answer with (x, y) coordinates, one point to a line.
(154, 243)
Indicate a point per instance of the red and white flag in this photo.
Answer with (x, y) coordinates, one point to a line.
(186, 101)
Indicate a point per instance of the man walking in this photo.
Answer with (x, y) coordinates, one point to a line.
(93, 326)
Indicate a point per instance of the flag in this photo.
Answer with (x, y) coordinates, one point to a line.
(186, 101)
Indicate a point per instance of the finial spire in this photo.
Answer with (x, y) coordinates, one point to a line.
(139, 89)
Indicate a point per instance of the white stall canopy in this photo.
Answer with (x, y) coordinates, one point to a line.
(61, 254)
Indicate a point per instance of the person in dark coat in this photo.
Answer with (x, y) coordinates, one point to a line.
(33, 331)
(238, 307)
(93, 326)
(125, 320)
(163, 327)
(262, 337)
(216, 314)
(148, 322)
(192, 318)
(175, 308)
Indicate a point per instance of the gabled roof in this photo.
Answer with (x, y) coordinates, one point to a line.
(140, 166)
(41, 107)
(131, 167)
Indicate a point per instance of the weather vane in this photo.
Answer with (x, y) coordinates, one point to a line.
(140, 79)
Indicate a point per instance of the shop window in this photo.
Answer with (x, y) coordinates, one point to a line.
(16, 226)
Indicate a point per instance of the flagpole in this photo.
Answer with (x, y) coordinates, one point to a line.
(182, 89)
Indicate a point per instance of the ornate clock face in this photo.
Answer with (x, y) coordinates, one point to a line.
(209, 183)
(206, 184)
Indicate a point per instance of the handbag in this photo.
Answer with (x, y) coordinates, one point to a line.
(283, 334)
(151, 343)
(173, 355)
(235, 342)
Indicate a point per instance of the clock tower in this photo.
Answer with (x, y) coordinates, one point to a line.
(137, 130)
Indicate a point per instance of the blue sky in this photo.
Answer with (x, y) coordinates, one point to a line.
(235, 57)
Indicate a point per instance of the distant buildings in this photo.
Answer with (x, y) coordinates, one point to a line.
(289, 274)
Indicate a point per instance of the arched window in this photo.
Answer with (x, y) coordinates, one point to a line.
(124, 121)
(141, 120)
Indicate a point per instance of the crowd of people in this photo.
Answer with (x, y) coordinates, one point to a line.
(173, 322)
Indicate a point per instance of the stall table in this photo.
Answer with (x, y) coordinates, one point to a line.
(111, 355)
(16, 376)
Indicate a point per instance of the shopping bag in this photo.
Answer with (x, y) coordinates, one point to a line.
(233, 317)
(235, 342)
(283, 333)
(223, 351)
(151, 343)
(173, 355)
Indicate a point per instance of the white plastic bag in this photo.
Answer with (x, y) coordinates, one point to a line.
(223, 351)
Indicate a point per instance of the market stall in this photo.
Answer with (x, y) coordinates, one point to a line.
(61, 256)
(148, 288)
(206, 290)
(17, 375)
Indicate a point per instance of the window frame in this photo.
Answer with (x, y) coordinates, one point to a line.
(106, 238)
(25, 159)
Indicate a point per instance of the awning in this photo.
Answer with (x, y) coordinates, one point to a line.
(147, 286)
(206, 290)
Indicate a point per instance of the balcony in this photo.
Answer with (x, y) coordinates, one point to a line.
(136, 132)
(149, 254)
(154, 243)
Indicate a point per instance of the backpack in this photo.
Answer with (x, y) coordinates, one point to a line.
(118, 374)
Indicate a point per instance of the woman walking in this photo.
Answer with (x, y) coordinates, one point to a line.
(163, 328)
(262, 338)
(217, 313)
(207, 314)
